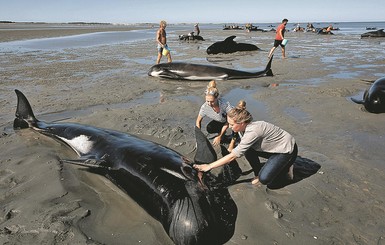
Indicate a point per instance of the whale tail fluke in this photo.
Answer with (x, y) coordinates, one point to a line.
(24, 114)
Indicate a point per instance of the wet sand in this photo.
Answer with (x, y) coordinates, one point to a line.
(107, 86)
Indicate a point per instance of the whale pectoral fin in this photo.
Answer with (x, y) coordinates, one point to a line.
(169, 74)
(91, 163)
(357, 101)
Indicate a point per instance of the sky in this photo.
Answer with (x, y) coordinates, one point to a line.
(182, 11)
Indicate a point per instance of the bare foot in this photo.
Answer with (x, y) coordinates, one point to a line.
(255, 181)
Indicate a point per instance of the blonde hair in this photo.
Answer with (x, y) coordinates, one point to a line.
(212, 89)
(241, 104)
(240, 115)
(162, 22)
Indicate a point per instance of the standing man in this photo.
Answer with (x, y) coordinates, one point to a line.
(196, 29)
(279, 36)
(162, 42)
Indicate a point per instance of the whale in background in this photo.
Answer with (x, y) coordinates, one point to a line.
(377, 33)
(199, 72)
(229, 46)
(374, 97)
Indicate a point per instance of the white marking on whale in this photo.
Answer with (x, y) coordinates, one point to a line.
(81, 144)
(178, 175)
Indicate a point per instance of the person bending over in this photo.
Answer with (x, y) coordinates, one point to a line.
(235, 137)
(260, 139)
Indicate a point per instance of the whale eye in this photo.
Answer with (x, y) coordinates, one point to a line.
(188, 171)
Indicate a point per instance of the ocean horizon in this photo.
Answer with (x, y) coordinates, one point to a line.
(147, 31)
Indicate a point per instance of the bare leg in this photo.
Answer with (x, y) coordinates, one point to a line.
(169, 57)
(271, 51)
(159, 57)
(283, 53)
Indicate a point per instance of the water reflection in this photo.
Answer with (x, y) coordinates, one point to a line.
(77, 41)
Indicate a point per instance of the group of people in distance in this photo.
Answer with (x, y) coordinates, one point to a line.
(249, 138)
(161, 39)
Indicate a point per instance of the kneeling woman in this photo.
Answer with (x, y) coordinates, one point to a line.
(216, 109)
(260, 139)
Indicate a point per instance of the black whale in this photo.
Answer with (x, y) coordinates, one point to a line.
(374, 97)
(378, 33)
(190, 37)
(230, 46)
(201, 72)
(161, 180)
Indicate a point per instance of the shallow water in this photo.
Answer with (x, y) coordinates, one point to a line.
(257, 108)
(77, 41)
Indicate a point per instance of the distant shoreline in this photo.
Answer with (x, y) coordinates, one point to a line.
(30, 30)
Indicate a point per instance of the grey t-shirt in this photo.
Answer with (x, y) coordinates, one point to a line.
(265, 137)
(224, 107)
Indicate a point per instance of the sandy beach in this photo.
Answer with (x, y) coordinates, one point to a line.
(45, 202)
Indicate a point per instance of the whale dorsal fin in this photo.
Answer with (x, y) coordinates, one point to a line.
(24, 114)
(205, 152)
(230, 39)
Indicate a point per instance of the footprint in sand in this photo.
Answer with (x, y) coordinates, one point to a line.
(272, 206)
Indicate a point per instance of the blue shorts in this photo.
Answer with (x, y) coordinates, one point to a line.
(160, 48)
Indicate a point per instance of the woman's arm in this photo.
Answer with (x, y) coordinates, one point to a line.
(198, 121)
(217, 139)
(224, 160)
(231, 145)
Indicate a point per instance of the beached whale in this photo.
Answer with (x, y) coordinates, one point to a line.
(377, 33)
(228, 46)
(190, 37)
(199, 72)
(161, 180)
(374, 97)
